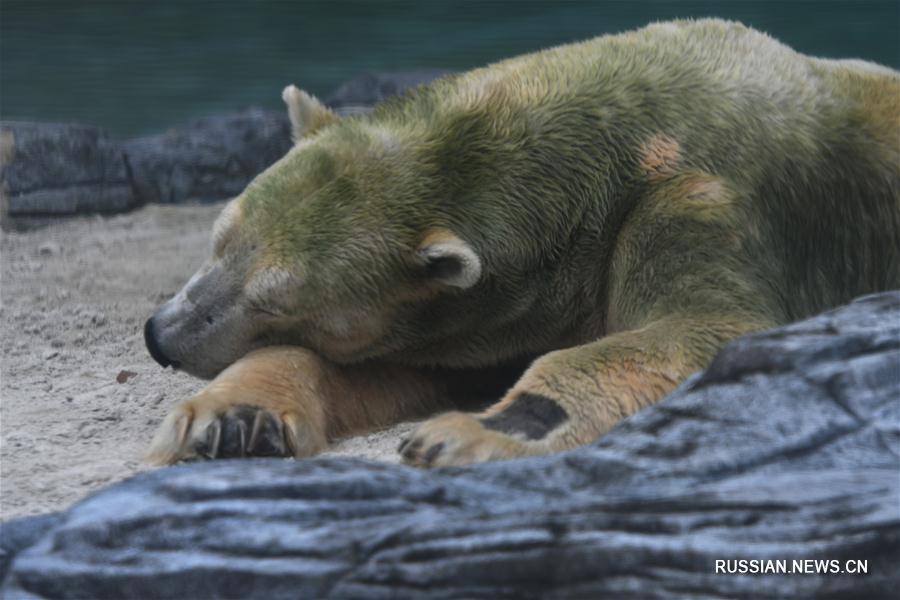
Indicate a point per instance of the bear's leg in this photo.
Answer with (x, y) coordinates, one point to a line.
(569, 397)
(287, 401)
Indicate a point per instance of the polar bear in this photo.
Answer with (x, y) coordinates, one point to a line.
(552, 242)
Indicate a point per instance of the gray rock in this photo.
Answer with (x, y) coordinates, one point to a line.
(216, 157)
(53, 170)
(207, 159)
(49, 248)
(369, 89)
(22, 533)
(786, 448)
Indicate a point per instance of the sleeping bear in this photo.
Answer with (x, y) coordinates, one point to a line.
(532, 251)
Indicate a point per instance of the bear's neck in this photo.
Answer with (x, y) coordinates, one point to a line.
(544, 203)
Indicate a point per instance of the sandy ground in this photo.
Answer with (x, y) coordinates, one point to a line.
(74, 300)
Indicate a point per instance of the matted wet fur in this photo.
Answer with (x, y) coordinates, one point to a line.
(608, 213)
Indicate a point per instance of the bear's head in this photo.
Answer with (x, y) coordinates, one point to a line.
(346, 246)
(328, 249)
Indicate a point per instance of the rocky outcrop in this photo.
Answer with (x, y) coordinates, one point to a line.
(786, 448)
(207, 159)
(49, 171)
(53, 171)
(369, 89)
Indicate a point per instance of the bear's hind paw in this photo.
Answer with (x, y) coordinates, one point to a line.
(455, 439)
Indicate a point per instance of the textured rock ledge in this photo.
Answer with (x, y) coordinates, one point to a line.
(54, 170)
(787, 447)
(49, 171)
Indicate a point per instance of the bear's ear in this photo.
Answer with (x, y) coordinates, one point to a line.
(449, 260)
(306, 113)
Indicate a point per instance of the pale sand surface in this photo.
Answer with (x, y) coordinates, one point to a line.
(74, 300)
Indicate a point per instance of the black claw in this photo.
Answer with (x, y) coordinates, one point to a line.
(244, 431)
(432, 453)
(409, 452)
(402, 445)
(209, 447)
(236, 427)
(267, 436)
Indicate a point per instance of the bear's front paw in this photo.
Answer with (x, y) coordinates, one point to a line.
(207, 427)
(455, 439)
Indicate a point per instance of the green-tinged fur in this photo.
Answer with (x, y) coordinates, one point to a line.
(534, 162)
(634, 201)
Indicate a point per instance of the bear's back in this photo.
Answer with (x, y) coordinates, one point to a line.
(809, 144)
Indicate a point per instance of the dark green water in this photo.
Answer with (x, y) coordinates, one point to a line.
(140, 66)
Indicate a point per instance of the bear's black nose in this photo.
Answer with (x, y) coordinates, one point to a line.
(153, 345)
